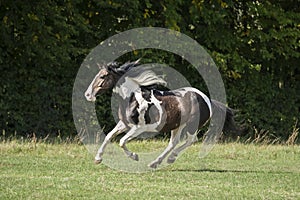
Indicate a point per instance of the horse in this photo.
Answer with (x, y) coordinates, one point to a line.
(146, 108)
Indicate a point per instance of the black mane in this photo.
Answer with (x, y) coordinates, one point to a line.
(122, 69)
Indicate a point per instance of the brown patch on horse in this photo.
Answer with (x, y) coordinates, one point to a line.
(172, 112)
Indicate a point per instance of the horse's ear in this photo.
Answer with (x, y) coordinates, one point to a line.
(111, 67)
(127, 66)
(137, 61)
(99, 66)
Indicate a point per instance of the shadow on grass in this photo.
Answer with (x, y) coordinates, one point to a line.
(230, 171)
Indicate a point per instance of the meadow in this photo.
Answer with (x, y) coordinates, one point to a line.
(40, 170)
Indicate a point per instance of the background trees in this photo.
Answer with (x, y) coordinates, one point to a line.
(255, 44)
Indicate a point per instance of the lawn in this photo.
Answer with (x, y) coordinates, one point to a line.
(231, 171)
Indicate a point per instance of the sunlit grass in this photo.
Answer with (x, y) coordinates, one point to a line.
(34, 170)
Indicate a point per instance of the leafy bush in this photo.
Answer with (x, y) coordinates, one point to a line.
(254, 43)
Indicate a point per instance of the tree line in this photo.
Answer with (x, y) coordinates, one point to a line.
(255, 45)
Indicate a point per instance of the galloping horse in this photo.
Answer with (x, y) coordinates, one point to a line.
(148, 109)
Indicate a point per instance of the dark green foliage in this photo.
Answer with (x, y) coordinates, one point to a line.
(255, 44)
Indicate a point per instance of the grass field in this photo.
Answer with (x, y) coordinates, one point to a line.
(230, 171)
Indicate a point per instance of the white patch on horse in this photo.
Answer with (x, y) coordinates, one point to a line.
(206, 99)
(143, 106)
(157, 104)
(89, 92)
(126, 88)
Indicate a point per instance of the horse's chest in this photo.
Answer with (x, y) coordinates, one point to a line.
(161, 111)
(141, 110)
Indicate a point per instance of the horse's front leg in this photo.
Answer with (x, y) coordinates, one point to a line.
(132, 133)
(119, 128)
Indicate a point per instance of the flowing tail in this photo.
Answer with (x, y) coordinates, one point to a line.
(219, 112)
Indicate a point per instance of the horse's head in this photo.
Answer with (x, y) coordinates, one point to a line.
(106, 78)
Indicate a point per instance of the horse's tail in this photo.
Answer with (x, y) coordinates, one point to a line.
(221, 110)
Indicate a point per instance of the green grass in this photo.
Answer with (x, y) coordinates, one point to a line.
(230, 171)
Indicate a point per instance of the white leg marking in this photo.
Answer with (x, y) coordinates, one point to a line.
(119, 128)
(174, 140)
(131, 134)
(190, 140)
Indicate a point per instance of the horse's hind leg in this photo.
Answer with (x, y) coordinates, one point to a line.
(119, 128)
(190, 140)
(174, 140)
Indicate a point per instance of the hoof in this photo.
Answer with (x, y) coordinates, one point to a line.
(97, 161)
(153, 165)
(134, 156)
(171, 160)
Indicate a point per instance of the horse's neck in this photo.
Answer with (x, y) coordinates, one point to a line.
(126, 89)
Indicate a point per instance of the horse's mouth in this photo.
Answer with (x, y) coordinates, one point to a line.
(91, 98)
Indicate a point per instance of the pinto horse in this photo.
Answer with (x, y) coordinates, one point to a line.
(147, 109)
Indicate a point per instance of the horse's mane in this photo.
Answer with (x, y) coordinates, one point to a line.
(141, 75)
(146, 78)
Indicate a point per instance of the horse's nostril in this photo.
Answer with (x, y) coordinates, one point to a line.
(88, 94)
